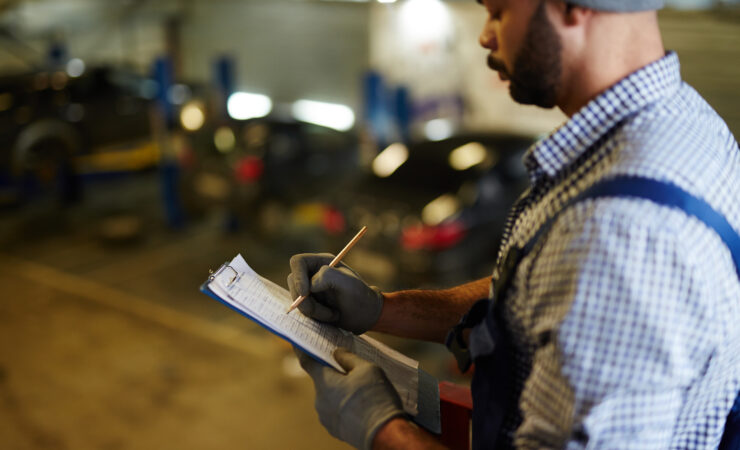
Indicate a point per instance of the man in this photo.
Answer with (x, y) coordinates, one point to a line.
(618, 326)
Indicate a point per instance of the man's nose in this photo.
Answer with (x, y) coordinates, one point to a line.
(487, 38)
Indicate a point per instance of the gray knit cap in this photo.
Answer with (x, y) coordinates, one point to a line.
(620, 5)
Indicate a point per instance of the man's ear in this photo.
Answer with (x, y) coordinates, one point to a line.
(571, 14)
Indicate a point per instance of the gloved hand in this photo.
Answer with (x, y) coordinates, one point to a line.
(355, 405)
(337, 294)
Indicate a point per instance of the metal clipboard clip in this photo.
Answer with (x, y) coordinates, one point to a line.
(223, 267)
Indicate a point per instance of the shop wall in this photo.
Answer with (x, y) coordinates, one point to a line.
(707, 45)
(285, 49)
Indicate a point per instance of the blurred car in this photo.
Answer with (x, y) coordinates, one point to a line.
(436, 210)
(54, 127)
(273, 175)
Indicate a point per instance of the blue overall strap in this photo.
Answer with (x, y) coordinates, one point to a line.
(670, 195)
(731, 436)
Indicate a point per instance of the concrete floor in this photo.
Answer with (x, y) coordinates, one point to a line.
(111, 345)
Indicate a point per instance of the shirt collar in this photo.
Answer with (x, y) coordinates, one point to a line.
(563, 146)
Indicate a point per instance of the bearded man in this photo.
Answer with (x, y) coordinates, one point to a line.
(611, 317)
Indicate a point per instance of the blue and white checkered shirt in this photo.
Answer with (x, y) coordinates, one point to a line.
(626, 317)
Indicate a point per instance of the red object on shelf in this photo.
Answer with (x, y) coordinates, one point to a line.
(437, 237)
(249, 169)
(333, 220)
(456, 411)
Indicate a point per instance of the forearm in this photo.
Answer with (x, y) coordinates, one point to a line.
(400, 434)
(428, 314)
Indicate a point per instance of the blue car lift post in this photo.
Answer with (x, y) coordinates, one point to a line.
(169, 170)
(224, 81)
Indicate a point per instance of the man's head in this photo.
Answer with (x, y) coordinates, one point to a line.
(534, 68)
(620, 5)
(552, 50)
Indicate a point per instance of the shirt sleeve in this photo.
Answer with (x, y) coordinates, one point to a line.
(619, 331)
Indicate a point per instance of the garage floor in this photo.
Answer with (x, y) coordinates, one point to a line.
(109, 345)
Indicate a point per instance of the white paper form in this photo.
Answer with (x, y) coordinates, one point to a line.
(402, 371)
(265, 302)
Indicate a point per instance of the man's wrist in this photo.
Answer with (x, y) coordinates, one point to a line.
(378, 325)
(387, 436)
(401, 434)
(381, 424)
(381, 305)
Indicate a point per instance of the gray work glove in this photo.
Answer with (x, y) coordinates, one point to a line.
(355, 405)
(336, 295)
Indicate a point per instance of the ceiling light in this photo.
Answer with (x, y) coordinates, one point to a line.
(75, 67)
(243, 106)
(440, 209)
(332, 115)
(390, 159)
(438, 129)
(192, 116)
(224, 139)
(467, 156)
(425, 20)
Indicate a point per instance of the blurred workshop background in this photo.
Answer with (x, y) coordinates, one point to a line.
(144, 142)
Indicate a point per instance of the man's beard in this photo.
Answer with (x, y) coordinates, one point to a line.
(536, 73)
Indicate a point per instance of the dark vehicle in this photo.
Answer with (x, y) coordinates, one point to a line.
(54, 128)
(274, 175)
(437, 219)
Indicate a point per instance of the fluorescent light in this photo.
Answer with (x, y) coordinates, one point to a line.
(192, 116)
(438, 129)
(243, 106)
(440, 209)
(386, 1)
(332, 115)
(467, 156)
(390, 159)
(75, 67)
(224, 139)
